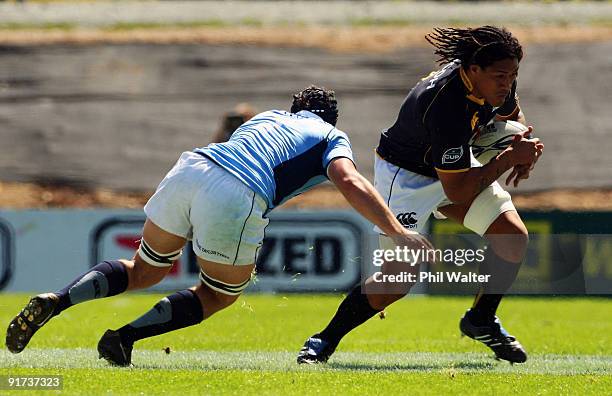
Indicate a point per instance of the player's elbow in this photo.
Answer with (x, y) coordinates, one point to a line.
(347, 182)
(457, 187)
(343, 174)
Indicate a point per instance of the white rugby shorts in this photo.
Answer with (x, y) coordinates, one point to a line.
(413, 198)
(200, 201)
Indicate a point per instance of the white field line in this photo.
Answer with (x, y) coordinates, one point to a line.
(285, 361)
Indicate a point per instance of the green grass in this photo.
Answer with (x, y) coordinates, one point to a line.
(250, 349)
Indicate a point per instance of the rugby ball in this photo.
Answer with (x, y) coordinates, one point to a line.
(494, 138)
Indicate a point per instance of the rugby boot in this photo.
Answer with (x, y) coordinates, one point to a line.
(493, 335)
(32, 317)
(315, 350)
(114, 350)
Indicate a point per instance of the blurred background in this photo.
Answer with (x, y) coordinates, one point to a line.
(107, 94)
(98, 99)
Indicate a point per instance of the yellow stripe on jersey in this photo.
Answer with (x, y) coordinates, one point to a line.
(474, 121)
(465, 79)
(512, 115)
(453, 170)
(475, 99)
(470, 87)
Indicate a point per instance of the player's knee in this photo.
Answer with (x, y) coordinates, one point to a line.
(522, 236)
(143, 275)
(382, 301)
(219, 293)
(212, 300)
(386, 292)
(509, 237)
(141, 280)
(155, 259)
(224, 300)
(517, 234)
(150, 266)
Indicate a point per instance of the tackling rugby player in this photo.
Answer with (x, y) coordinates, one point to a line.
(219, 197)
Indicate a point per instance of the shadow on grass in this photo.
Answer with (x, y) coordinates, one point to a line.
(411, 366)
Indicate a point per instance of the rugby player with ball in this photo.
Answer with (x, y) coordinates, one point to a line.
(424, 165)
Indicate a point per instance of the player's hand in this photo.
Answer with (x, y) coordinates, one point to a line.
(525, 151)
(539, 152)
(519, 172)
(412, 240)
(522, 171)
(527, 133)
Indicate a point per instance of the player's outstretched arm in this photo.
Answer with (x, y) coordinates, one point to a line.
(362, 196)
(463, 187)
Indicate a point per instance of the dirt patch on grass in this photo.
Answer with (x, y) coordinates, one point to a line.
(352, 39)
(29, 195)
(566, 199)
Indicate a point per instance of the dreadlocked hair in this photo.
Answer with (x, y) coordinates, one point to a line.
(480, 46)
(319, 101)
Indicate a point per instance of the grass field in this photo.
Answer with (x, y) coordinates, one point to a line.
(250, 349)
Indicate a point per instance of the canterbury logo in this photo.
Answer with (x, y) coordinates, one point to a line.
(407, 219)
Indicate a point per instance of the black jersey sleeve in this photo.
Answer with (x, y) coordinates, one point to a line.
(449, 126)
(510, 106)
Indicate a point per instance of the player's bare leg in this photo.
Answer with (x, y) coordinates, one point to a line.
(106, 279)
(216, 300)
(508, 238)
(221, 286)
(362, 303)
(382, 294)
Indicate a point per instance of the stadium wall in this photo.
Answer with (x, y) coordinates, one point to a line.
(318, 251)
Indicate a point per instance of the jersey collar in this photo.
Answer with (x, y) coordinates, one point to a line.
(308, 114)
(468, 85)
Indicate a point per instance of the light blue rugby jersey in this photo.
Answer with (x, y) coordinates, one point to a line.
(280, 154)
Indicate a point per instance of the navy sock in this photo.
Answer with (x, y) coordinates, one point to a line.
(353, 311)
(503, 273)
(484, 308)
(173, 312)
(106, 279)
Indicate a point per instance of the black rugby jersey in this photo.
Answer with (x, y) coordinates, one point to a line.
(436, 122)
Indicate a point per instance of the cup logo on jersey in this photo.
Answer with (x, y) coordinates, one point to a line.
(452, 155)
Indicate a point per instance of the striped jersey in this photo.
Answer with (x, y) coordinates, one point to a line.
(280, 154)
(437, 121)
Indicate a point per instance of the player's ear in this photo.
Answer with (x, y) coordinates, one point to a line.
(475, 69)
